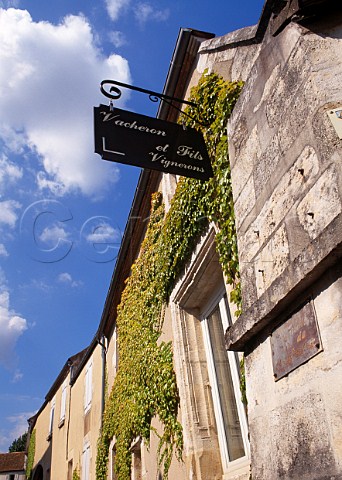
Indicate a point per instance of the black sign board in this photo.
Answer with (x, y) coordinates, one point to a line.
(134, 139)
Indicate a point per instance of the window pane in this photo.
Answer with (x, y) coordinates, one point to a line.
(52, 414)
(88, 387)
(86, 463)
(225, 387)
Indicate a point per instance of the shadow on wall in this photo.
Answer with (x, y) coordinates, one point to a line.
(332, 24)
(42, 470)
(38, 474)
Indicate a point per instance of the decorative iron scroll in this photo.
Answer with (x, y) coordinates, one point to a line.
(115, 93)
(153, 96)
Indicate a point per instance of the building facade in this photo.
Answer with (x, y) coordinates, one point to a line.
(12, 466)
(66, 428)
(285, 156)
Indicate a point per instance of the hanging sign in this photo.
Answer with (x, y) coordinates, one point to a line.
(146, 142)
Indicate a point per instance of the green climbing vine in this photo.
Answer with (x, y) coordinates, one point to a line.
(145, 385)
(76, 474)
(30, 454)
(243, 382)
(216, 99)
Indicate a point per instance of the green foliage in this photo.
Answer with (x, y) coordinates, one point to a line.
(76, 474)
(243, 382)
(145, 384)
(216, 99)
(30, 455)
(19, 444)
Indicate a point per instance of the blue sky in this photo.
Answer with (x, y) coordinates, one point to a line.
(58, 198)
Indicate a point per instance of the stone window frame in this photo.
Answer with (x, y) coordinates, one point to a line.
(115, 356)
(112, 454)
(220, 301)
(203, 272)
(137, 459)
(138, 470)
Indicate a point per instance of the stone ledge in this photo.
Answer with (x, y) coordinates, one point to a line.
(231, 40)
(310, 264)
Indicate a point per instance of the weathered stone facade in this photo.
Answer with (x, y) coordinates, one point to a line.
(287, 184)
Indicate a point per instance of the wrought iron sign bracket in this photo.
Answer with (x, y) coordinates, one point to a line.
(114, 93)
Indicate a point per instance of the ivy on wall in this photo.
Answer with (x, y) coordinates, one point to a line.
(76, 474)
(216, 99)
(145, 385)
(30, 454)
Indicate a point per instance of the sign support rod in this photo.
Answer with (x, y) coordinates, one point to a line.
(153, 96)
(115, 93)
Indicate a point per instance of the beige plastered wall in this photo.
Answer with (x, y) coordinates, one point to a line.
(85, 428)
(59, 435)
(43, 448)
(69, 436)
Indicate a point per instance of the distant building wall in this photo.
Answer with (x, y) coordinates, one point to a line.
(43, 446)
(85, 416)
(60, 430)
(68, 424)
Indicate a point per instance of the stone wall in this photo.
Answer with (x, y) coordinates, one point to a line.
(287, 184)
(295, 427)
(285, 157)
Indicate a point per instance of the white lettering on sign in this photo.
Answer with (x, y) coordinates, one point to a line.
(110, 116)
(182, 151)
(168, 163)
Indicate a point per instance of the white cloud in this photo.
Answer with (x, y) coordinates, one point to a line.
(67, 279)
(19, 421)
(3, 280)
(56, 187)
(59, 69)
(17, 425)
(145, 12)
(9, 172)
(35, 284)
(64, 277)
(17, 376)
(8, 215)
(104, 234)
(9, 3)
(117, 38)
(3, 251)
(12, 326)
(116, 7)
(51, 235)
